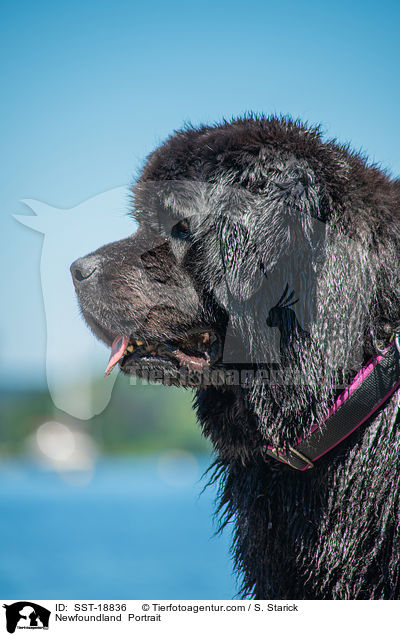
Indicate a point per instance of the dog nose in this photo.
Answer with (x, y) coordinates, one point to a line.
(83, 268)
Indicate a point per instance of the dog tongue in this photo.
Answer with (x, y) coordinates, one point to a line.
(117, 351)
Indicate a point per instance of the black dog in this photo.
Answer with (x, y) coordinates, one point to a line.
(231, 218)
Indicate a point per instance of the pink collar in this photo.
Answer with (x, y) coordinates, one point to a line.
(368, 391)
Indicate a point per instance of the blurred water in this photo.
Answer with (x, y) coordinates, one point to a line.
(135, 530)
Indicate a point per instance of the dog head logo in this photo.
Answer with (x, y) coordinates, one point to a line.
(26, 615)
(71, 349)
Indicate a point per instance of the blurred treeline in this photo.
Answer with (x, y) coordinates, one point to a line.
(142, 418)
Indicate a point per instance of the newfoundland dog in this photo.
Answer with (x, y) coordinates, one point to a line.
(265, 275)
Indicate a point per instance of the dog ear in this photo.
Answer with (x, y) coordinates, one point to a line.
(273, 229)
(240, 257)
(295, 200)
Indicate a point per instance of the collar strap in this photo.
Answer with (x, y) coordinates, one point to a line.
(369, 390)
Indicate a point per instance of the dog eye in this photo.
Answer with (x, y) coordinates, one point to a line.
(181, 230)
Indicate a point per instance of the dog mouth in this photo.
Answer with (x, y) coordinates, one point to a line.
(197, 351)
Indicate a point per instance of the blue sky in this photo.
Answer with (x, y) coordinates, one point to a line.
(90, 88)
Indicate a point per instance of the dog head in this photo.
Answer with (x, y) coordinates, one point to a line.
(245, 256)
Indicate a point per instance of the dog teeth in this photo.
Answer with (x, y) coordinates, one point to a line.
(132, 345)
(198, 341)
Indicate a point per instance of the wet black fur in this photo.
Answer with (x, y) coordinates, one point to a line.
(332, 532)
